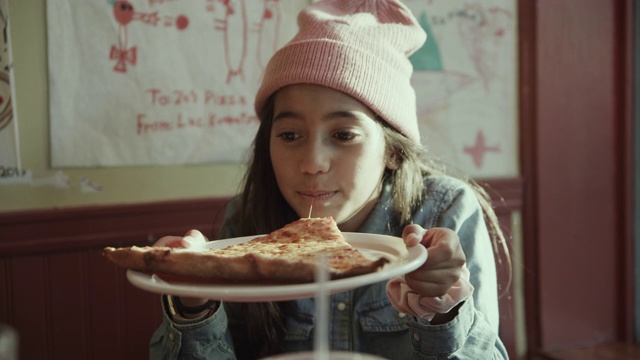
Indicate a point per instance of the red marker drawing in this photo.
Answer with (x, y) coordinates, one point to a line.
(124, 14)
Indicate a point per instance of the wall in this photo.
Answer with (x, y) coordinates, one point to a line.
(576, 114)
(65, 300)
(577, 144)
(50, 238)
(482, 73)
(119, 185)
(636, 172)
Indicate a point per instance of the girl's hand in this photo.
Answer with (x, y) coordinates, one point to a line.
(190, 239)
(444, 263)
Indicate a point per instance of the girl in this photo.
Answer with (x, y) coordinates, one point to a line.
(339, 132)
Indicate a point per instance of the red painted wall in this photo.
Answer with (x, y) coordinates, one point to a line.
(68, 302)
(65, 300)
(575, 169)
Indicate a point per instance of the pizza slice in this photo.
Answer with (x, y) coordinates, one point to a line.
(289, 255)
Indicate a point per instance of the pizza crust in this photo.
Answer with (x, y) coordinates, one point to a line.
(289, 254)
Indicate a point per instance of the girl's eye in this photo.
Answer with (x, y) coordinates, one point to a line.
(289, 136)
(345, 136)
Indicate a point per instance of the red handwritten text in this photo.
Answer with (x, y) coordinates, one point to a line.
(143, 127)
(176, 97)
(183, 121)
(243, 118)
(162, 98)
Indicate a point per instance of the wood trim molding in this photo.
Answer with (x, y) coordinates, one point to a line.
(628, 13)
(528, 114)
(54, 230)
(44, 231)
(506, 193)
(50, 261)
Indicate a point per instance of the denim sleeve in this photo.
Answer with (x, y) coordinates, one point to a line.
(467, 336)
(473, 334)
(207, 339)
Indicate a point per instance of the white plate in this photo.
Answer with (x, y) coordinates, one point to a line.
(401, 261)
(333, 355)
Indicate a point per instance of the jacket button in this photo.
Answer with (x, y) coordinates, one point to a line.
(342, 306)
(401, 315)
(416, 337)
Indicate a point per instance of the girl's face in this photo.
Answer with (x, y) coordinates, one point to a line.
(327, 152)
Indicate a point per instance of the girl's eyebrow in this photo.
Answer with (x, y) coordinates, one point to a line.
(341, 115)
(286, 114)
(332, 115)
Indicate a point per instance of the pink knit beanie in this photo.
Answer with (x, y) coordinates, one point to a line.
(359, 47)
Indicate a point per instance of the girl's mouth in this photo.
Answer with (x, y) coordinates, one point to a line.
(316, 196)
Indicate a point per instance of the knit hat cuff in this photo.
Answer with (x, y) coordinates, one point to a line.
(368, 75)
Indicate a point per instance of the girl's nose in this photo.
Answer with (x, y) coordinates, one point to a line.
(315, 158)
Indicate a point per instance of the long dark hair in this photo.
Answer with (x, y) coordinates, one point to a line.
(263, 209)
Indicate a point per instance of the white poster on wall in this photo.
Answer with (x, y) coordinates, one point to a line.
(153, 82)
(466, 83)
(10, 168)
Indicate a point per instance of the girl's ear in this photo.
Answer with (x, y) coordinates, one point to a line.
(392, 161)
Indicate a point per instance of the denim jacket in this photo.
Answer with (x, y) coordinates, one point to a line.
(362, 319)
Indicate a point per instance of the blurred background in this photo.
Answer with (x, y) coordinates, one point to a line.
(123, 121)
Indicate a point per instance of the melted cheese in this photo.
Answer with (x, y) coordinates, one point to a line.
(300, 239)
